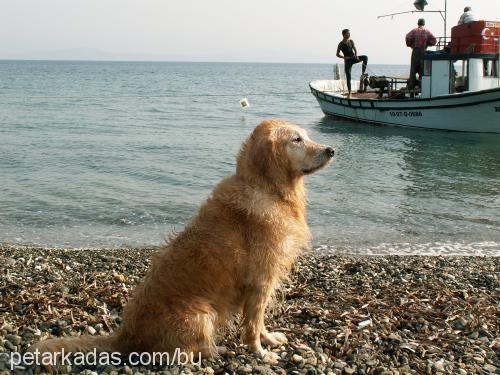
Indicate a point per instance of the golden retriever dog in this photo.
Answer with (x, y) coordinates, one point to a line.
(228, 260)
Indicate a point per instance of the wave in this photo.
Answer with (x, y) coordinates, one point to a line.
(484, 248)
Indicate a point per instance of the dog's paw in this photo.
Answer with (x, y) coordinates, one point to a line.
(269, 357)
(273, 339)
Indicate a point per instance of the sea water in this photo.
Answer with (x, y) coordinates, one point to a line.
(112, 154)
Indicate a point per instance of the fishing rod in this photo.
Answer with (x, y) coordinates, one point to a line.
(420, 5)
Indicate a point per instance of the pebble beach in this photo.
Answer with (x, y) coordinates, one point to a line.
(342, 314)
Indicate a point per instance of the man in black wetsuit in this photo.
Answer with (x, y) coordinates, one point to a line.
(350, 56)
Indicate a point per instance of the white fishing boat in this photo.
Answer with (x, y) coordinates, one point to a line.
(459, 89)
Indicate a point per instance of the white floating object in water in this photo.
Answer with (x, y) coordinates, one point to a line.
(244, 103)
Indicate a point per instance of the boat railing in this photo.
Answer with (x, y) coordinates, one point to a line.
(443, 43)
(395, 84)
(467, 45)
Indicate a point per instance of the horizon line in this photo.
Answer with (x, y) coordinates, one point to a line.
(183, 61)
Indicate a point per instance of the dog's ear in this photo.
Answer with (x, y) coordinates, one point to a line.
(261, 153)
(256, 155)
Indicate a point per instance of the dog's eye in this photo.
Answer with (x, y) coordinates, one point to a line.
(297, 140)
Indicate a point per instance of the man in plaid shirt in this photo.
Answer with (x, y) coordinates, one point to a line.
(418, 40)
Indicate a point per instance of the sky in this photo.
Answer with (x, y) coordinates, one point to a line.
(293, 31)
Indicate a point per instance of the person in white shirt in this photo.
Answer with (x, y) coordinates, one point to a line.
(468, 16)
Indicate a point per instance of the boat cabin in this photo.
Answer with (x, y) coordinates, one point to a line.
(468, 61)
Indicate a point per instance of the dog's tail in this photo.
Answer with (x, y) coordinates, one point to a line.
(82, 344)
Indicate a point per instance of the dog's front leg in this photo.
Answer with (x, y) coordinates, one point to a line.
(256, 299)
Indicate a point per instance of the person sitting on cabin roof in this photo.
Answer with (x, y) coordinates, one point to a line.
(350, 56)
(467, 16)
(418, 40)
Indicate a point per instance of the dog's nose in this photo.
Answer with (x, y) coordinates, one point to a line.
(330, 152)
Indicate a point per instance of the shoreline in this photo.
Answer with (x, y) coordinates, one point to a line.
(342, 314)
(431, 249)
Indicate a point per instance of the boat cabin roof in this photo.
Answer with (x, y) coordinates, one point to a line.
(477, 39)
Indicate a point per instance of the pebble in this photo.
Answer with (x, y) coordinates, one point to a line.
(8, 328)
(394, 336)
(120, 278)
(490, 368)
(479, 360)
(232, 366)
(438, 365)
(14, 339)
(474, 335)
(340, 364)
(247, 369)
(7, 344)
(460, 324)
(10, 262)
(263, 370)
(312, 361)
(364, 324)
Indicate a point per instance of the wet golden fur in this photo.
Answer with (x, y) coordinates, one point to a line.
(229, 258)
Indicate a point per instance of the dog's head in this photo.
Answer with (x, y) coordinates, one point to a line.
(280, 153)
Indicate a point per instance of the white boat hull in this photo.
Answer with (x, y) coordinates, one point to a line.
(468, 112)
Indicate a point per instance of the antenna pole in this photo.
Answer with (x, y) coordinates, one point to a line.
(445, 16)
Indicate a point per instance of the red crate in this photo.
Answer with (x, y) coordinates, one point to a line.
(476, 37)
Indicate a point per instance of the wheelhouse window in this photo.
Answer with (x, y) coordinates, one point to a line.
(459, 75)
(490, 67)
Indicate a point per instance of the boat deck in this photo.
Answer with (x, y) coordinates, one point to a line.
(375, 95)
(364, 95)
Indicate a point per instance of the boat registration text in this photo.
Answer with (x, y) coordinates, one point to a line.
(405, 113)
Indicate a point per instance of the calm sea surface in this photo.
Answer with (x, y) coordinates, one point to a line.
(110, 154)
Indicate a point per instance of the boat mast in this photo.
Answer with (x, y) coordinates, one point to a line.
(445, 9)
(420, 5)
